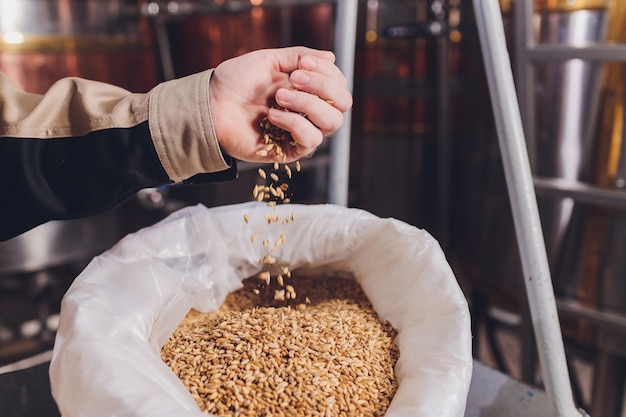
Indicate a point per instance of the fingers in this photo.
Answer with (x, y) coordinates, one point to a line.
(321, 93)
(322, 78)
(316, 101)
(322, 114)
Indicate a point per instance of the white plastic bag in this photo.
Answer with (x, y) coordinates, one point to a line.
(124, 306)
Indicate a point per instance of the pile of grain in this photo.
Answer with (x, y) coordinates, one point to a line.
(254, 357)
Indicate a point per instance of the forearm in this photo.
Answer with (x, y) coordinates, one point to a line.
(84, 147)
(63, 178)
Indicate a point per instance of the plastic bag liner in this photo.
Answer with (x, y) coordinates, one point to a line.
(128, 301)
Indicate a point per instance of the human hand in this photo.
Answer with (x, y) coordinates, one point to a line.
(305, 81)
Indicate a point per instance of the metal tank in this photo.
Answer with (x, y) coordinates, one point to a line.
(44, 40)
(564, 141)
(567, 95)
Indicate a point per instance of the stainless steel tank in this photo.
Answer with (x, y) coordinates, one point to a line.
(58, 18)
(60, 242)
(567, 97)
(105, 40)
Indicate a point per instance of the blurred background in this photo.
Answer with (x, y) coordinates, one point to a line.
(423, 150)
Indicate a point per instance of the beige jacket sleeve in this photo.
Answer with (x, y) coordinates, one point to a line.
(177, 112)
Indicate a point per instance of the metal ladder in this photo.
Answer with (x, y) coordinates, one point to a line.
(537, 278)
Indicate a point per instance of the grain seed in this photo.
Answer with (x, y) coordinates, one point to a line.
(264, 275)
(279, 295)
(331, 358)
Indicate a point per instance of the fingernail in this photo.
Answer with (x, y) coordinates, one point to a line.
(285, 95)
(308, 63)
(275, 113)
(300, 77)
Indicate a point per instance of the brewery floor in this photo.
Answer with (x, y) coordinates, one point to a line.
(510, 350)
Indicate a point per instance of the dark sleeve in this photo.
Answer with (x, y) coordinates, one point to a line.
(64, 178)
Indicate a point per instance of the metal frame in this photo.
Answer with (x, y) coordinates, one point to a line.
(515, 156)
(526, 53)
(345, 43)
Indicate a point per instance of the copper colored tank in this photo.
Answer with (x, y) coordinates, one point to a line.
(204, 33)
(44, 40)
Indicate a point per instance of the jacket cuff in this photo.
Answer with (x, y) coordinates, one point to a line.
(182, 128)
